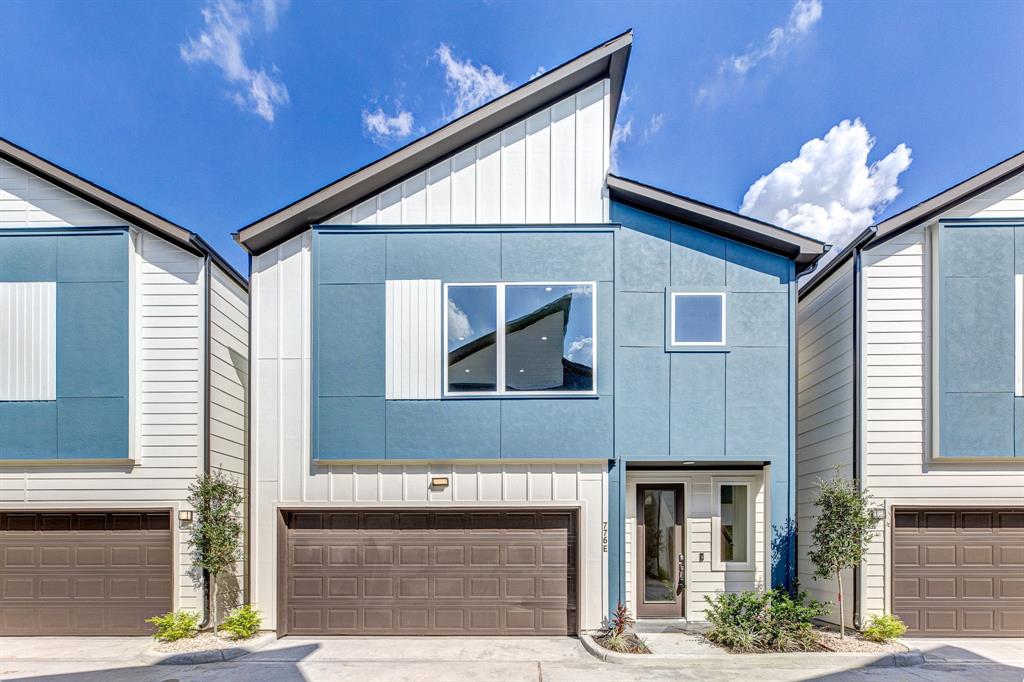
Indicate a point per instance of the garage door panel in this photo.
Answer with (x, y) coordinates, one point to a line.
(951, 575)
(430, 572)
(92, 573)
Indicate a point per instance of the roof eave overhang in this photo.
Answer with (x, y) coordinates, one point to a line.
(605, 61)
(131, 213)
(804, 251)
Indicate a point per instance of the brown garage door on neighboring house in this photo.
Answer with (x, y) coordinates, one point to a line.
(83, 573)
(959, 572)
(420, 572)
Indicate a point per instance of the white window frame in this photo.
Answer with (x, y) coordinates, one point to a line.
(501, 390)
(672, 313)
(1018, 335)
(716, 526)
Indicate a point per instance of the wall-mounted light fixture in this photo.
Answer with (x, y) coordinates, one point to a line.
(439, 482)
(878, 513)
(185, 516)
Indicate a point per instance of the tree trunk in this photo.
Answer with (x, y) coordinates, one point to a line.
(842, 608)
(213, 600)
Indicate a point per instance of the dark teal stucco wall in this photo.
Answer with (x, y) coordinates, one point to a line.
(979, 416)
(89, 418)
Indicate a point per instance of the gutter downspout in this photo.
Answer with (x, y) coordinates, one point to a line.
(247, 593)
(856, 412)
(207, 610)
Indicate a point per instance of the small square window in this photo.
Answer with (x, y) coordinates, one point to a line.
(698, 319)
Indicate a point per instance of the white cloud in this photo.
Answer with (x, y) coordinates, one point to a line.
(654, 126)
(829, 191)
(620, 134)
(459, 328)
(470, 85)
(228, 24)
(384, 129)
(582, 351)
(538, 73)
(733, 70)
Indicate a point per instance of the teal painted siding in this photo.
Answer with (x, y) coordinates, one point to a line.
(89, 418)
(351, 420)
(979, 416)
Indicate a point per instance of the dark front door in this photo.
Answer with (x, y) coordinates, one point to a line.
(659, 521)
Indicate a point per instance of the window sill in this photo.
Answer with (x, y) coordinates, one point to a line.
(669, 348)
(76, 463)
(519, 395)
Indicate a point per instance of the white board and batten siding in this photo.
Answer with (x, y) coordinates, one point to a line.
(413, 344)
(825, 414)
(897, 367)
(702, 578)
(168, 414)
(28, 341)
(285, 478)
(549, 168)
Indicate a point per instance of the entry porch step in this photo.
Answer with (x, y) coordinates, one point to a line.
(653, 625)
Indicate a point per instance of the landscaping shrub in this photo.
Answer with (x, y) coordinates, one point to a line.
(884, 629)
(175, 625)
(763, 621)
(243, 623)
(619, 635)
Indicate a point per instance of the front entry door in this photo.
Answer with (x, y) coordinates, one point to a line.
(660, 554)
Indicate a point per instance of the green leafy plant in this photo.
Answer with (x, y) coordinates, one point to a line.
(216, 535)
(619, 635)
(243, 622)
(175, 625)
(842, 532)
(763, 621)
(885, 628)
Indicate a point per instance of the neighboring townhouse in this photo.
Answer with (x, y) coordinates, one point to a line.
(497, 390)
(911, 379)
(123, 376)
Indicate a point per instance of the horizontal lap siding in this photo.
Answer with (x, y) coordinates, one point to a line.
(896, 377)
(229, 380)
(29, 201)
(825, 413)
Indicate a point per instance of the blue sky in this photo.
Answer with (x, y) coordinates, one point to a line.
(216, 113)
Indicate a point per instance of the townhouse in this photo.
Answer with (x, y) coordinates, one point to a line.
(123, 375)
(911, 379)
(497, 390)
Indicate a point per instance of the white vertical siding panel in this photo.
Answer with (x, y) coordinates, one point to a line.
(28, 332)
(563, 162)
(390, 209)
(366, 212)
(538, 168)
(464, 187)
(412, 346)
(414, 200)
(590, 154)
(439, 193)
(488, 181)
(513, 174)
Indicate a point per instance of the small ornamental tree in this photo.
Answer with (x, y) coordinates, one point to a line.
(842, 532)
(215, 537)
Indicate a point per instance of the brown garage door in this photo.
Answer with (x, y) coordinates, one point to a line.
(418, 572)
(959, 571)
(83, 573)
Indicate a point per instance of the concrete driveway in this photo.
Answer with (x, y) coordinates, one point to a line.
(440, 659)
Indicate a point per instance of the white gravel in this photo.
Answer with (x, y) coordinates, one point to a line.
(204, 641)
(854, 642)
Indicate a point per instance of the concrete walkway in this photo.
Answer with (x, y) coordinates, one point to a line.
(443, 659)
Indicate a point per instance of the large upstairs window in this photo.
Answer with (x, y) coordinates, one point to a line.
(520, 339)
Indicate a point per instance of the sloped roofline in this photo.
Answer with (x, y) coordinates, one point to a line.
(607, 60)
(804, 250)
(117, 205)
(923, 212)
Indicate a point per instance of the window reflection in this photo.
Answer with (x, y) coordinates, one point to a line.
(698, 318)
(472, 329)
(549, 337)
(734, 522)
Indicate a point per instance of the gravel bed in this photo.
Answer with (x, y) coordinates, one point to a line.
(204, 641)
(829, 639)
